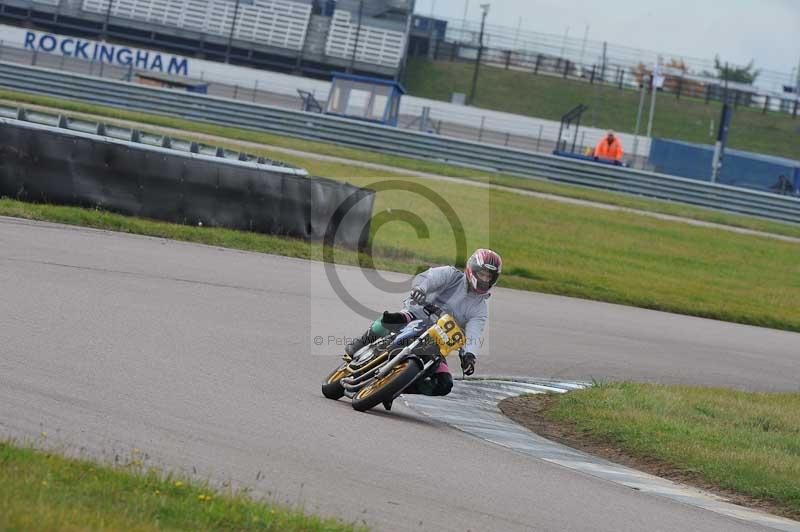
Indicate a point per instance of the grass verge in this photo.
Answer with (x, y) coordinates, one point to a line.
(45, 491)
(739, 443)
(339, 171)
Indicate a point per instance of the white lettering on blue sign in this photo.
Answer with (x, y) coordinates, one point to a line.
(106, 53)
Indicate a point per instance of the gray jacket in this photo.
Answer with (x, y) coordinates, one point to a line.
(446, 287)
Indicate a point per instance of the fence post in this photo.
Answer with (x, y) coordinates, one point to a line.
(708, 93)
(236, 92)
(736, 99)
(453, 51)
(538, 63)
(680, 88)
(436, 49)
(621, 77)
(480, 131)
(508, 58)
(255, 90)
(766, 104)
(508, 138)
(591, 79)
(794, 113)
(566, 68)
(34, 57)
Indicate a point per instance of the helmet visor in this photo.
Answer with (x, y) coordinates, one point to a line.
(484, 276)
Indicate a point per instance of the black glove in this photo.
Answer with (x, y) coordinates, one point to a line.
(418, 296)
(467, 363)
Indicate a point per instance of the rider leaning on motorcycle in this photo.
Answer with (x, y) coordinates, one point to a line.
(463, 295)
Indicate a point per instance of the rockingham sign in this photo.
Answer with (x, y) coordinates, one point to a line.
(89, 50)
(155, 61)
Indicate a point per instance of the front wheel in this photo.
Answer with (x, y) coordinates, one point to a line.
(386, 388)
(332, 387)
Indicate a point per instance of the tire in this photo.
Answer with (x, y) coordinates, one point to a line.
(385, 389)
(332, 387)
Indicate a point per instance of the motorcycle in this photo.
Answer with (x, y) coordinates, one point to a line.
(382, 370)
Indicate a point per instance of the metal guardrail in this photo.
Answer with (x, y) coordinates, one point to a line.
(393, 141)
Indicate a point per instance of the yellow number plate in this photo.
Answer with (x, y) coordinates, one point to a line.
(447, 334)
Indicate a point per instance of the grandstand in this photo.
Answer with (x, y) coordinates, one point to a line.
(311, 37)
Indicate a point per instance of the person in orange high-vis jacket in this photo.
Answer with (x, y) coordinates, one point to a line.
(609, 148)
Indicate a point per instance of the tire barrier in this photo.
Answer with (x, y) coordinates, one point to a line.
(42, 163)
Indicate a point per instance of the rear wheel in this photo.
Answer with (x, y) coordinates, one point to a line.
(384, 389)
(332, 387)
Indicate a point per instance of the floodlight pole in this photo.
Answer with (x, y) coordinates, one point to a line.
(358, 35)
(656, 74)
(485, 8)
(639, 118)
(233, 29)
(722, 139)
(797, 85)
(106, 21)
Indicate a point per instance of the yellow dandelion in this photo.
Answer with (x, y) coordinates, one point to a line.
(136, 462)
(178, 484)
(157, 492)
(44, 483)
(43, 434)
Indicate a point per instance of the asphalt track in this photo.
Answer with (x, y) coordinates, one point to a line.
(205, 359)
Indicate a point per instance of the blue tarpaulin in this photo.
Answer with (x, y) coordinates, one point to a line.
(739, 168)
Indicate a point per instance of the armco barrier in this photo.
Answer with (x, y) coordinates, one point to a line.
(399, 142)
(50, 164)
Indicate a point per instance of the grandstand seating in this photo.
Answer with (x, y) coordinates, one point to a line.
(281, 23)
(288, 35)
(375, 45)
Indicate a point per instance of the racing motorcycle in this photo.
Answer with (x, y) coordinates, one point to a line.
(382, 370)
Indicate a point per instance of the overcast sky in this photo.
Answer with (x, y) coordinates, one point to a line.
(767, 31)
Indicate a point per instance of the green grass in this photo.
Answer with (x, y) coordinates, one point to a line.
(340, 171)
(45, 491)
(740, 441)
(550, 97)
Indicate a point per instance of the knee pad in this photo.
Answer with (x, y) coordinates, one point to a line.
(378, 329)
